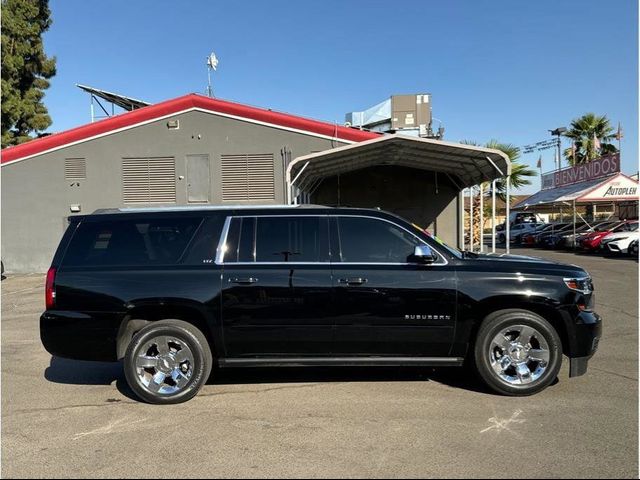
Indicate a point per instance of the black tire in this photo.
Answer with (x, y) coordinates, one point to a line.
(633, 249)
(501, 238)
(180, 335)
(500, 321)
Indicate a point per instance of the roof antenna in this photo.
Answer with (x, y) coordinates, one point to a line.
(212, 64)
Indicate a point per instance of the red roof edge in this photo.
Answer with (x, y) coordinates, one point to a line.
(169, 107)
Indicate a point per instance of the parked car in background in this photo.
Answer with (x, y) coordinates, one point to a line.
(529, 239)
(516, 231)
(555, 227)
(593, 241)
(568, 240)
(551, 240)
(621, 245)
(619, 242)
(517, 218)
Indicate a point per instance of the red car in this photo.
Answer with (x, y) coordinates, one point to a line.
(592, 241)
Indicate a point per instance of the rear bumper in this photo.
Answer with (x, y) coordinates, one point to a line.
(79, 336)
(586, 338)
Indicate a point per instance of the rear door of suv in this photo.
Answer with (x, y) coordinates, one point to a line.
(387, 305)
(276, 286)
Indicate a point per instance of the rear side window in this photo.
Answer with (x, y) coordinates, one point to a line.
(278, 240)
(291, 239)
(160, 241)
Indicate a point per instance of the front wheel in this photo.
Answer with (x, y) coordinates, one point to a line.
(501, 238)
(517, 352)
(167, 362)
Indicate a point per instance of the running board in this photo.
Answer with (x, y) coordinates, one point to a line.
(343, 362)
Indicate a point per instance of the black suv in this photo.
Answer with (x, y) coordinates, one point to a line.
(175, 291)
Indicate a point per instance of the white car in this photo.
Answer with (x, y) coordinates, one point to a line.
(516, 231)
(619, 242)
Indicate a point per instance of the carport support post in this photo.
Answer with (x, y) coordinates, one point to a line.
(462, 212)
(493, 216)
(507, 224)
(574, 223)
(471, 219)
(480, 229)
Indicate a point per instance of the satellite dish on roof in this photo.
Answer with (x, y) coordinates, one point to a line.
(212, 64)
(212, 61)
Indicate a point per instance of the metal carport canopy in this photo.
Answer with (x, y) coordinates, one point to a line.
(466, 165)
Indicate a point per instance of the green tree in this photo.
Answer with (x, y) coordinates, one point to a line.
(25, 69)
(585, 132)
(520, 177)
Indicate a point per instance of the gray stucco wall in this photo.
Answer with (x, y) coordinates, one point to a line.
(36, 197)
(413, 194)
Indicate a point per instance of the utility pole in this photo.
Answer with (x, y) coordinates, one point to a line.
(559, 131)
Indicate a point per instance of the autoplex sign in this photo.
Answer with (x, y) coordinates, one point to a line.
(599, 168)
(618, 188)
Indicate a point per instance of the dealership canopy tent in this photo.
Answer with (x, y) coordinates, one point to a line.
(616, 188)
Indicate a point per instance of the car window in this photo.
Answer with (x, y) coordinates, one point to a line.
(370, 240)
(131, 242)
(203, 247)
(291, 239)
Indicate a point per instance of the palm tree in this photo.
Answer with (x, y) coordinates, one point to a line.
(520, 176)
(583, 132)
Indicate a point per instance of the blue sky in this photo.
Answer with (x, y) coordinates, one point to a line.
(496, 69)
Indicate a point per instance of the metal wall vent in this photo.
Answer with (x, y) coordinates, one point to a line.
(75, 169)
(148, 180)
(248, 177)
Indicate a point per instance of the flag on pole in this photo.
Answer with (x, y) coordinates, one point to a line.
(596, 142)
(539, 165)
(619, 134)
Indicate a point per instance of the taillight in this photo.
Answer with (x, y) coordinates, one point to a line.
(50, 289)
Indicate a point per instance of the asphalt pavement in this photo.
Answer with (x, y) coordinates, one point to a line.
(64, 418)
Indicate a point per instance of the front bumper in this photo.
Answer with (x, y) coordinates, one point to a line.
(587, 332)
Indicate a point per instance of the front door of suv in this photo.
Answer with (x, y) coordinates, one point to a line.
(277, 287)
(386, 304)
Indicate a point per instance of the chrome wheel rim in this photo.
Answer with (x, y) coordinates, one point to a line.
(164, 365)
(519, 355)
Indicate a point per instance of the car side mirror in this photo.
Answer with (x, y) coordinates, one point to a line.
(424, 254)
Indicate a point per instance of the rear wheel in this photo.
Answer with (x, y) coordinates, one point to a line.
(167, 362)
(517, 352)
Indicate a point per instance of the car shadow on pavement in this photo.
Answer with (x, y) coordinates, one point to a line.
(82, 372)
(453, 377)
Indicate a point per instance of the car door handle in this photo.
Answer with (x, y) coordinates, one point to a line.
(243, 281)
(353, 281)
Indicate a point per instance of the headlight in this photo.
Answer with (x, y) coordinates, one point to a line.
(580, 284)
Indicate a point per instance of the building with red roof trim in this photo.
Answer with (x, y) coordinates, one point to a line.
(178, 105)
(195, 150)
